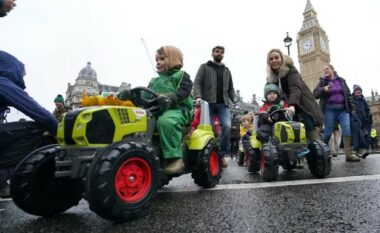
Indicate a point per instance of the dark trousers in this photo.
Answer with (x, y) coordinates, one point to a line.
(264, 132)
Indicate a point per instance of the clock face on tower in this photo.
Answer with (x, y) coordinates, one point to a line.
(324, 44)
(307, 45)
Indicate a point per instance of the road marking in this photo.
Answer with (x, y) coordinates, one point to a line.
(273, 184)
(263, 185)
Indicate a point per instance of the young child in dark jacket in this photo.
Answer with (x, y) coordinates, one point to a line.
(272, 102)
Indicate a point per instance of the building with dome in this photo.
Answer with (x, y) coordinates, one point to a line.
(87, 82)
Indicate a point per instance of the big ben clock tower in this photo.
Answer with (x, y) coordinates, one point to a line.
(313, 47)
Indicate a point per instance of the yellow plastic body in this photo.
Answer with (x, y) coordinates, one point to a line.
(200, 137)
(127, 121)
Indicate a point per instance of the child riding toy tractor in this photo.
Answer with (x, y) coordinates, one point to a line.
(111, 156)
(287, 144)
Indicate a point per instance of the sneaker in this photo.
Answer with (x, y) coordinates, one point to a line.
(5, 192)
(176, 166)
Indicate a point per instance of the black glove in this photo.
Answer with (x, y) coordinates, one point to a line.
(164, 101)
(124, 95)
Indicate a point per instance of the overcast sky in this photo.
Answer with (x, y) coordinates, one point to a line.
(55, 39)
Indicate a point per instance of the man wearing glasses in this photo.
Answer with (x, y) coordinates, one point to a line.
(213, 83)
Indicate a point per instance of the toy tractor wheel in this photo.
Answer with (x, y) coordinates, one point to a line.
(269, 162)
(36, 190)
(319, 159)
(240, 158)
(207, 171)
(122, 181)
(253, 160)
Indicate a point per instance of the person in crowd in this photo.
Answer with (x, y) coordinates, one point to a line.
(336, 104)
(174, 88)
(373, 139)
(361, 123)
(246, 129)
(272, 102)
(12, 94)
(235, 134)
(213, 83)
(6, 6)
(335, 140)
(60, 109)
(302, 104)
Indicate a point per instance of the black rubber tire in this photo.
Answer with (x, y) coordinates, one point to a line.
(253, 160)
(269, 165)
(165, 179)
(240, 158)
(36, 191)
(100, 188)
(319, 159)
(201, 172)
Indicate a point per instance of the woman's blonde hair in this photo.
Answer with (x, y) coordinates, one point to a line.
(275, 50)
(173, 57)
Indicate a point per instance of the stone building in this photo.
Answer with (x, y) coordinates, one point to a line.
(313, 47)
(87, 82)
(246, 106)
(374, 104)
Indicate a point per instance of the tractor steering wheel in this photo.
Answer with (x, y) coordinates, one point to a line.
(144, 97)
(280, 115)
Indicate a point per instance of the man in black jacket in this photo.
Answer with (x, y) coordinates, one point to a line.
(213, 84)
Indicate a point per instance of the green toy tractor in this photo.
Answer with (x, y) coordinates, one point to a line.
(287, 144)
(111, 156)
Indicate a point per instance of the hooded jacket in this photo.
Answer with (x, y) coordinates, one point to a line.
(12, 69)
(294, 90)
(12, 92)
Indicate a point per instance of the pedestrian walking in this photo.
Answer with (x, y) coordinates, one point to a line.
(373, 139)
(213, 83)
(336, 104)
(361, 123)
(235, 134)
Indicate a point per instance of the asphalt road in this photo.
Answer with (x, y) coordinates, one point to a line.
(347, 201)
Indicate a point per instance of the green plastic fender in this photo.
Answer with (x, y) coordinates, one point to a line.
(200, 137)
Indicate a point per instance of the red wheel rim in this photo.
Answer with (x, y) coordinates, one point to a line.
(133, 180)
(214, 163)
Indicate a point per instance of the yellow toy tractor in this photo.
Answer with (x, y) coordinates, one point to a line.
(111, 156)
(287, 144)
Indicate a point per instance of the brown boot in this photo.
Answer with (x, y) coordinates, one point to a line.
(365, 153)
(348, 150)
(175, 166)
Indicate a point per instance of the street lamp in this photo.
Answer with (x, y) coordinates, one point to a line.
(288, 42)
